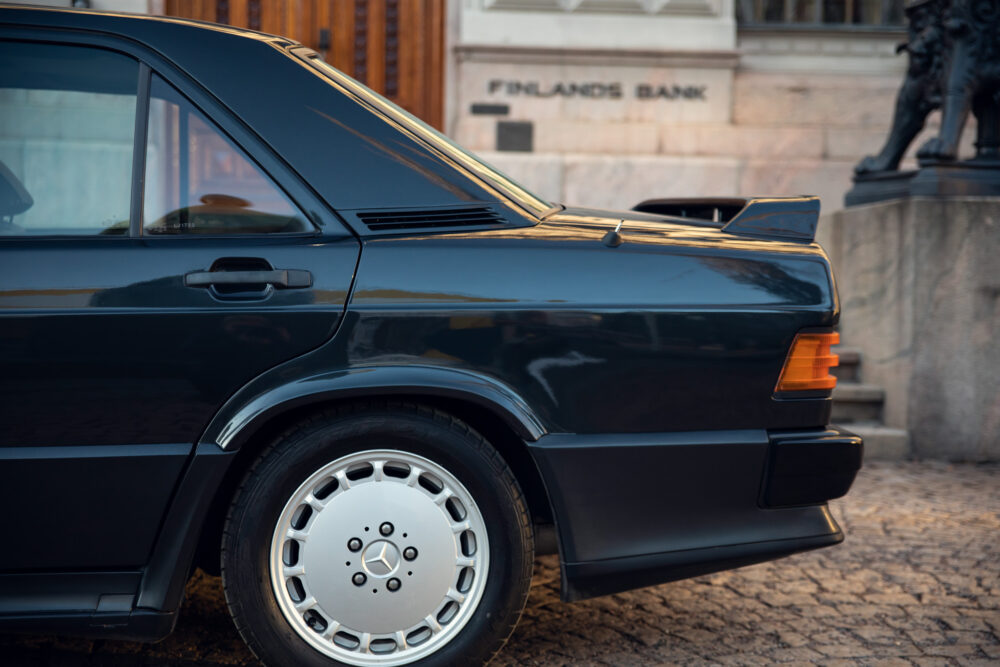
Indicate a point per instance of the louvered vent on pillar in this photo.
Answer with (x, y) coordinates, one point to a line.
(390, 221)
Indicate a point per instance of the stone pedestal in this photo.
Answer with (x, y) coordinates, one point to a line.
(881, 186)
(919, 283)
(976, 178)
(979, 177)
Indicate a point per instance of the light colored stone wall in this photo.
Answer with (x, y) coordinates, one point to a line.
(809, 51)
(615, 98)
(617, 24)
(920, 296)
(789, 135)
(785, 112)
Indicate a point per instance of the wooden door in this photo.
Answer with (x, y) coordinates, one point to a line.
(395, 47)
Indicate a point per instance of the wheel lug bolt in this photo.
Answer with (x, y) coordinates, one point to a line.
(385, 529)
(392, 584)
(354, 544)
(409, 553)
(359, 579)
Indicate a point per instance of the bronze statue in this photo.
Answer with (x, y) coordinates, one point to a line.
(972, 81)
(954, 65)
(921, 90)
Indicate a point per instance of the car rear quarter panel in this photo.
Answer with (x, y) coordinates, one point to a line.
(663, 333)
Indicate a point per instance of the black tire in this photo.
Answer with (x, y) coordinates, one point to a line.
(295, 455)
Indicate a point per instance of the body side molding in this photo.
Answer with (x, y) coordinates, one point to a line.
(239, 418)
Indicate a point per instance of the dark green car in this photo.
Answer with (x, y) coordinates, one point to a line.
(255, 318)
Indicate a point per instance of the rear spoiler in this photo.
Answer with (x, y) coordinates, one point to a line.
(775, 218)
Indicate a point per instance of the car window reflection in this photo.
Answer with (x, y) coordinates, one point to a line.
(199, 182)
(67, 120)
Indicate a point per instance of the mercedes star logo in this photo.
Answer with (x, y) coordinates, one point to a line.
(381, 558)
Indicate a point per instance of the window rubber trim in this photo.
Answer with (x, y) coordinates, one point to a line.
(139, 151)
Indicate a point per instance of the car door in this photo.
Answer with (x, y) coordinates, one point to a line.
(154, 258)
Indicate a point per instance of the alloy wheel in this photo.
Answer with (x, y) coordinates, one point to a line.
(379, 558)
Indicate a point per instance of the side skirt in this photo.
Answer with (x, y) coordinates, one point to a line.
(136, 605)
(94, 604)
(142, 626)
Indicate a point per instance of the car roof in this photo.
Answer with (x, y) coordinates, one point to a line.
(90, 18)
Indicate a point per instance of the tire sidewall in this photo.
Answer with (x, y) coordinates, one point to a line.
(282, 471)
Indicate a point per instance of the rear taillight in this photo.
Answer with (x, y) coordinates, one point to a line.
(808, 365)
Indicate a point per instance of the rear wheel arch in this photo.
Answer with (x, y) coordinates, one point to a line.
(488, 423)
(269, 585)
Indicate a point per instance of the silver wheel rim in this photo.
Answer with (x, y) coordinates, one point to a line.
(379, 558)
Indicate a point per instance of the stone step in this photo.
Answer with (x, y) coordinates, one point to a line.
(856, 402)
(882, 443)
(849, 369)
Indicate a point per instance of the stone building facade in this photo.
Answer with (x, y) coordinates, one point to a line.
(607, 102)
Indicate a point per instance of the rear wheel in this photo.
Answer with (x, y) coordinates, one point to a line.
(386, 535)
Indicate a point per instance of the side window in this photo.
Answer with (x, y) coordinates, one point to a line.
(199, 182)
(67, 121)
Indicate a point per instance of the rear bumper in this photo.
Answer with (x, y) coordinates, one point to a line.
(640, 509)
(586, 580)
(810, 467)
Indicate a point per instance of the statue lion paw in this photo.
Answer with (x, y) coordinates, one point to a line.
(936, 149)
(871, 164)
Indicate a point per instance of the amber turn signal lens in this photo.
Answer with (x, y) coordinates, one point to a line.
(808, 365)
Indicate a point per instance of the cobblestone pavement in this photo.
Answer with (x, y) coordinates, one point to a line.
(916, 583)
